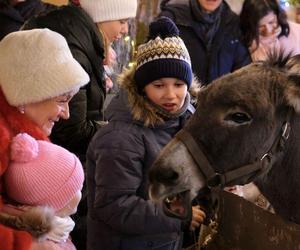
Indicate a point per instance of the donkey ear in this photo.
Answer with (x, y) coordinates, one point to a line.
(292, 92)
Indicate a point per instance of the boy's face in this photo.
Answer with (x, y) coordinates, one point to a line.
(210, 5)
(168, 93)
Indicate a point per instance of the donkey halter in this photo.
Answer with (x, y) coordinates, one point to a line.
(215, 181)
(220, 180)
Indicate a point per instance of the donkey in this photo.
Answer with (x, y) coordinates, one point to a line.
(246, 127)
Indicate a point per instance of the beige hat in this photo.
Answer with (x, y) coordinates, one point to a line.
(109, 10)
(36, 65)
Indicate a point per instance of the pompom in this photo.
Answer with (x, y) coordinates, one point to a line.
(163, 27)
(24, 148)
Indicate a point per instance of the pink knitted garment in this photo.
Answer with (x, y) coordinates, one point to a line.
(42, 173)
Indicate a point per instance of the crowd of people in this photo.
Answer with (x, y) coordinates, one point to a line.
(76, 178)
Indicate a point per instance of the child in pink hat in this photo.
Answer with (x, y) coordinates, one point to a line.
(44, 174)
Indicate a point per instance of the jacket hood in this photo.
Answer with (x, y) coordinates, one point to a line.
(140, 109)
(37, 221)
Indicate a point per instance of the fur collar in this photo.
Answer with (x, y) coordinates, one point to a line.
(38, 221)
(141, 109)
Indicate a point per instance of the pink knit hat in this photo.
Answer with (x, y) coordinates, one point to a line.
(42, 173)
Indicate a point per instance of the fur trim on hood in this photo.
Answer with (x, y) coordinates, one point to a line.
(141, 109)
(37, 221)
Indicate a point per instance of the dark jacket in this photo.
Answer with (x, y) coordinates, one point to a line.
(13, 17)
(86, 106)
(120, 214)
(227, 52)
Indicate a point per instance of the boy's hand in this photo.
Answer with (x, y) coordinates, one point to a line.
(198, 217)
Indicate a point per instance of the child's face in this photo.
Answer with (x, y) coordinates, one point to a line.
(71, 207)
(168, 93)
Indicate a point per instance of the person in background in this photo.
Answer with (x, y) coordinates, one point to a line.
(211, 33)
(151, 107)
(35, 89)
(33, 179)
(89, 31)
(13, 13)
(265, 29)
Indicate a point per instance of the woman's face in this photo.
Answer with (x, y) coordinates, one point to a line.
(168, 93)
(210, 5)
(114, 30)
(46, 113)
(268, 24)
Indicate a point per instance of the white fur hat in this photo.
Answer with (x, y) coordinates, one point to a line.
(36, 65)
(109, 10)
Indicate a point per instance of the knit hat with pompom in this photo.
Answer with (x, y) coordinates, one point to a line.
(163, 55)
(42, 173)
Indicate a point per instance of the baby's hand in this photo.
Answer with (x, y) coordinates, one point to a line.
(198, 217)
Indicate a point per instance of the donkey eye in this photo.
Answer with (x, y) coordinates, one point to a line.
(238, 118)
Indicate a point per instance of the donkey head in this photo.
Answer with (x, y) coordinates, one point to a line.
(239, 118)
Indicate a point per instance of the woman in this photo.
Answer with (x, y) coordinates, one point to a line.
(151, 107)
(35, 89)
(266, 29)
